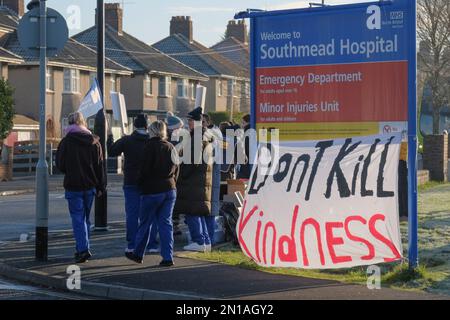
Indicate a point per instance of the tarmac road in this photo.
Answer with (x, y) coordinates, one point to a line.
(17, 213)
(12, 290)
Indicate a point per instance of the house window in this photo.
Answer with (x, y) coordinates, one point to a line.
(148, 85)
(113, 82)
(193, 90)
(182, 88)
(231, 88)
(71, 80)
(64, 123)
(245, 89)
(165, 86)
(92, 77)
(219, 88)
(50, 79)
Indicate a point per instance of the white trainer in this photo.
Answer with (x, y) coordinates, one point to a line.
(195, 247)
(208, 248)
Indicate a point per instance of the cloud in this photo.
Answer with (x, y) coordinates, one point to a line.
(194, 10)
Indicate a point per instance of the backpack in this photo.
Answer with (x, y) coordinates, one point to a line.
(231, 217)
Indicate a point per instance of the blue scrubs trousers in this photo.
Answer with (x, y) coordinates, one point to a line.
(80, 204)
(198, 228)
(159, 208)
(132, 207)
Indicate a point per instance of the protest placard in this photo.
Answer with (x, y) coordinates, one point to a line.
(339, 205)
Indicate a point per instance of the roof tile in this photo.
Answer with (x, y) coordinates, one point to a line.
(199, 57)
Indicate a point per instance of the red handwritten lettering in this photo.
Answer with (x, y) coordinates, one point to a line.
(274, 242)
(291, 255)
(333, 241)
(382, 238)
(242, 224)
(316, 226)
(352, 237)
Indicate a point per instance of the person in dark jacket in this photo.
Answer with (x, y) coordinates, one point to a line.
(157, 182)
(131, 147)
(80, 158)
(245, 170)
(194, 186)
(215, 135)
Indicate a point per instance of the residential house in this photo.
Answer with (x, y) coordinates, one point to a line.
(228, 86)
(159, 83)
(8, 23)
(235, 46)
(69, 77)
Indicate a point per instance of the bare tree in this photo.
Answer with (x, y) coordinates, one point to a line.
(433, 29)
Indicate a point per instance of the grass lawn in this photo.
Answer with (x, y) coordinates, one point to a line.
(433, 275)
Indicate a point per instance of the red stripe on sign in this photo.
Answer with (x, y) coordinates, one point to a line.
(363, 92)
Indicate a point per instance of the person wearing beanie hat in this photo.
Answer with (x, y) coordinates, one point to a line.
(141, 122)
(194, 186)
(174, 123)
(131, 147)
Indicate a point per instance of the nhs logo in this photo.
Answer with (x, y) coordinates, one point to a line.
(397, 15)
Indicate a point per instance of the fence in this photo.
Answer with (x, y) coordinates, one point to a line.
(26, 157)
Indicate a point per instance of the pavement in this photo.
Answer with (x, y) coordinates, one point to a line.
(109, 275)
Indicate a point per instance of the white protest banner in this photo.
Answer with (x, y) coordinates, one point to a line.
(120, 110)
(92, 102)
(200, 99)
(325, 205)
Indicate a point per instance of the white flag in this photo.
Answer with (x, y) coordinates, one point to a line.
(92, 102)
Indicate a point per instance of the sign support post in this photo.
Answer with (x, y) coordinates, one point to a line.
(412, 149)
(43, 41)
(42, 197)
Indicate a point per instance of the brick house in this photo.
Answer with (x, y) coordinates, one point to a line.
(159, 82)
(235, 46)
(8, 22)
(228, 85)
(69, 77)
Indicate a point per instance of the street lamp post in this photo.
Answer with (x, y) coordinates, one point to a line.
(101, 203)
(42, 197)
(42, 32)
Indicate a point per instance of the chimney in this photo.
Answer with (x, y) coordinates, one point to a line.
(238, 30)
(182, 25)
(17, 6)
(114, 16)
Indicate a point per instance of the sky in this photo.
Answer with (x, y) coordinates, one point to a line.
(149, 20)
